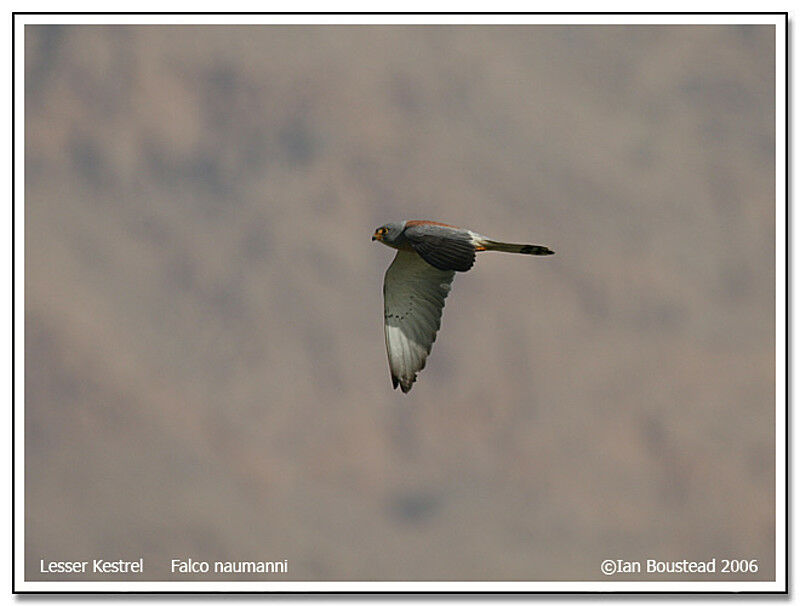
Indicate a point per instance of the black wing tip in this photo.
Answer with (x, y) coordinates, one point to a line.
(449, 264)
(465, 267)
(405, 386)
(454, 253)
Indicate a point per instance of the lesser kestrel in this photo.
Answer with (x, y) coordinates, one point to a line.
(418, 281)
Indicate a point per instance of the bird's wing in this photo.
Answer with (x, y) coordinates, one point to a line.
(413, 297)
(442, 246)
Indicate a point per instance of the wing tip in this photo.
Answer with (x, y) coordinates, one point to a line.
(405, 385)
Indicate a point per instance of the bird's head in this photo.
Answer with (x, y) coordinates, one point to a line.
(388, 234)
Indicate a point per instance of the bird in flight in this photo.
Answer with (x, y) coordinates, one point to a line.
(418, 281)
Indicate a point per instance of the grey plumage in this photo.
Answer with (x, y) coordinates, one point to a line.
(418, 281)
(413, 293)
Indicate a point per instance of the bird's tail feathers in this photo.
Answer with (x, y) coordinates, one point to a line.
(523, 249)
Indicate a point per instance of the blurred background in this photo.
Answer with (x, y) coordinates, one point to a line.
(205, 366)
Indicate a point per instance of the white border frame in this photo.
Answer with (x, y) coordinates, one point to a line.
(780, 583)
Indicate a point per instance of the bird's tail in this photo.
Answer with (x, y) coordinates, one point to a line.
(523, 249)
